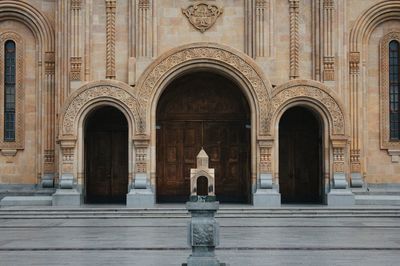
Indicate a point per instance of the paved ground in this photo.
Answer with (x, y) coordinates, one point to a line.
(162, 241)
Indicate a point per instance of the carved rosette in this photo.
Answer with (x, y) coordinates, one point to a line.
(148, 87)
(100, 92)
(202, 16)
(315, 94)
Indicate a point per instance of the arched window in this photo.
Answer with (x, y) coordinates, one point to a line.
(9, 91)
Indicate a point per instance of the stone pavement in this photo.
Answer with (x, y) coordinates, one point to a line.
(106, 240)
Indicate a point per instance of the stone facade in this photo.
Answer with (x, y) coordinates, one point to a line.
(76, 55)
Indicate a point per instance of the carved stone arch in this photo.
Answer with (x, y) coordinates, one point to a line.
(369, 20)
(329, 105)
(112, 91)
(207, 56)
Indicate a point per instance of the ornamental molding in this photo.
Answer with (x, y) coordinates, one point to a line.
(311, 91)
(202, 16)
(19, 92)
(212, 54)
(385, 141)
(102, 91)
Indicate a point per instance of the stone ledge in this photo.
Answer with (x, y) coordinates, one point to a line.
(26, 201)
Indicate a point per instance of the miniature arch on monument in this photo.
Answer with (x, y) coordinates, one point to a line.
(213, 57)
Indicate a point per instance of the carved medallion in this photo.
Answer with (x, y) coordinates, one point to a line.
(202, 16)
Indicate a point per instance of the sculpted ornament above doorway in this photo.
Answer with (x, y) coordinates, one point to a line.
(202, 16)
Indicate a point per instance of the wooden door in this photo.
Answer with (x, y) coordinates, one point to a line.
(203, 110)
(106, 150)
(300, 177)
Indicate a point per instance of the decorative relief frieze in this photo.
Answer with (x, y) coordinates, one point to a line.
(265, 157)
(19, 92)
(338, 160)
(202, 16)
(355, 163)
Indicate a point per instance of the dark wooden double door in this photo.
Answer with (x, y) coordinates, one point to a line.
(106, 152)
(300, 157)
(203, 110)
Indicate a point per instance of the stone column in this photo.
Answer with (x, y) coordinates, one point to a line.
(266, 193)
(140, 193)
(49, 121)
(68, 194)
(340, 194)
(355, 163)
(294, 38)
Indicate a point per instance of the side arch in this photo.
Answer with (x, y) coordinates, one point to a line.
(93, 93)
(32, 18)
(210, 56)
(370, 19)
(324, 99)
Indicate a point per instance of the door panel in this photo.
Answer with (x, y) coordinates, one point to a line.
(300, 157)
(106, 150)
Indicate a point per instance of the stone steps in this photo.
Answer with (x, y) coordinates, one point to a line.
(124, 213)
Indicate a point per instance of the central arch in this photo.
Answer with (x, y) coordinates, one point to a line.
(203, 110)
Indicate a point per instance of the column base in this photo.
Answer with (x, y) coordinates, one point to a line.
(266, 198)
(67, 197)
(140, 198)
(340, 197)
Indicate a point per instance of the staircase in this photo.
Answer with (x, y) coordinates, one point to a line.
(180, 212)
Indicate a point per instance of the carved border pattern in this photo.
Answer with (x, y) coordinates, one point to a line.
(19, 92)
(314, 93)
(386, 143)
(158, 73)
(100, 91)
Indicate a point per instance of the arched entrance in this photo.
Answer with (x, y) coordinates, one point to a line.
(106, 156)
(206, 110)
(300, 156)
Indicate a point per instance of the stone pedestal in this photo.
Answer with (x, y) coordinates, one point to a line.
(140, 198)
(67, 197)
(266, 198)
(340, 197)
(203, 231)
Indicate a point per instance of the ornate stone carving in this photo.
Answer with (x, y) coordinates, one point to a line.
(49, 63)
(355, 163)
(19, 92)
(110, 36)
(386, 143)
(148, 86)
(202, 16)
(338, 160)
(265, 157)
(141, 146)
(354, 62)
(329, 68)
(76, 68)
(76, 4)
(303, 91)
(144, 4)
(108, 92)
(294, 38)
